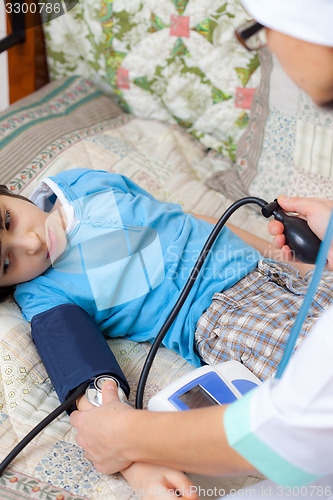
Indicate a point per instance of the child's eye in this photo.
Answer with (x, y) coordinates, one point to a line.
(8, 219)
(5, 265)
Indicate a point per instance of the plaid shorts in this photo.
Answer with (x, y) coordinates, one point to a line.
(251, 321)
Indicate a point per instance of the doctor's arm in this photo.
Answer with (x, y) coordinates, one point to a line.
(194, 441)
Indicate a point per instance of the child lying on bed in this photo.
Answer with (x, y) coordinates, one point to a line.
(97, 242)
(123, 257)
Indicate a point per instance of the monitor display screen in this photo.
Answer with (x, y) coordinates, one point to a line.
(197, 397)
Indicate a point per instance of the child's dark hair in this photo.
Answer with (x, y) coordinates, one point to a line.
(6, 291)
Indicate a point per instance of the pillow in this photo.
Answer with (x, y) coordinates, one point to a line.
(38, 128)
(174, 61)
(74, 42)
(287, 147)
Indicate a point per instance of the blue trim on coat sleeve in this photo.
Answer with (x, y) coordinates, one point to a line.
(241, 437)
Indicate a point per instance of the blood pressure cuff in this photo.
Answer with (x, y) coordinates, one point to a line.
(73, 349)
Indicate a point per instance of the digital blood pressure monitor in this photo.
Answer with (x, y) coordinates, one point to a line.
(206, 386)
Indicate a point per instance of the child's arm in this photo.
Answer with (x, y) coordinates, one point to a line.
(267, 249)
(151, 481)
(264, 247)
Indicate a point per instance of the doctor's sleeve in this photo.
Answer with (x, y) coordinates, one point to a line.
(284, 428)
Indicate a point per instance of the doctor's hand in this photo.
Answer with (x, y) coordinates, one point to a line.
(100, 432)
(315, 211)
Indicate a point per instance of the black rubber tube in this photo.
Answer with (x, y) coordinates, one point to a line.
(39, 427)
(186, 290)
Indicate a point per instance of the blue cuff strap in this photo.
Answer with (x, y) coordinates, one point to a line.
(73, 349)
(240, 437)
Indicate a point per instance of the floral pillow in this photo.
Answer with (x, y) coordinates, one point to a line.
(173, 60)
(74, 43)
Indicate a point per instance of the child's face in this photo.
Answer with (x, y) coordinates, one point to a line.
(24, 245)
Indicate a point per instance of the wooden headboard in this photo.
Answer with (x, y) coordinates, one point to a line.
(27, 65)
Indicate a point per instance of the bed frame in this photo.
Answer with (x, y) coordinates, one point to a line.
(27, 65)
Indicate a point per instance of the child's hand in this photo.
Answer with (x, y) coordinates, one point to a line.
(151, 481)
(315, 211)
